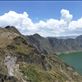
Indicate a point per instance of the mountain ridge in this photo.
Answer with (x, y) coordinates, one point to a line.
(54, 44)
(23, 62)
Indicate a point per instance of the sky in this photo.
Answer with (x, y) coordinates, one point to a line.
(47, 18)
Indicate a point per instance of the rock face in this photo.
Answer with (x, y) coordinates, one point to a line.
(55, 45)
(10, 63)
(22, 62)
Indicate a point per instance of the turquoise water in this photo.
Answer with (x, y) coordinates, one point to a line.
(73, 59)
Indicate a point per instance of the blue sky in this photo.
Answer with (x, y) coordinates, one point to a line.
(43, 10)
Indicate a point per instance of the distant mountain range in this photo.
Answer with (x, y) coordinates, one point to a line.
(66, 37)
(56, 45)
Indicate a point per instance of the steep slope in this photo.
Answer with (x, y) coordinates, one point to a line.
(22, 62)
(41, 43)
(55, 45)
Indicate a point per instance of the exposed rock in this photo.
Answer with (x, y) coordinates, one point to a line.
(55, 45)
(10, 62)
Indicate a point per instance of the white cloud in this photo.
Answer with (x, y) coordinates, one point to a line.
(75, 24)
(66, 15)
(21, 21)
(51, 27)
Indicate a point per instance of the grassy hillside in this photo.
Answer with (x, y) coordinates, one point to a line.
(21, 62)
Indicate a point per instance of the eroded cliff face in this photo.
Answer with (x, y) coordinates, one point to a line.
(21, 62)
(56, 45)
